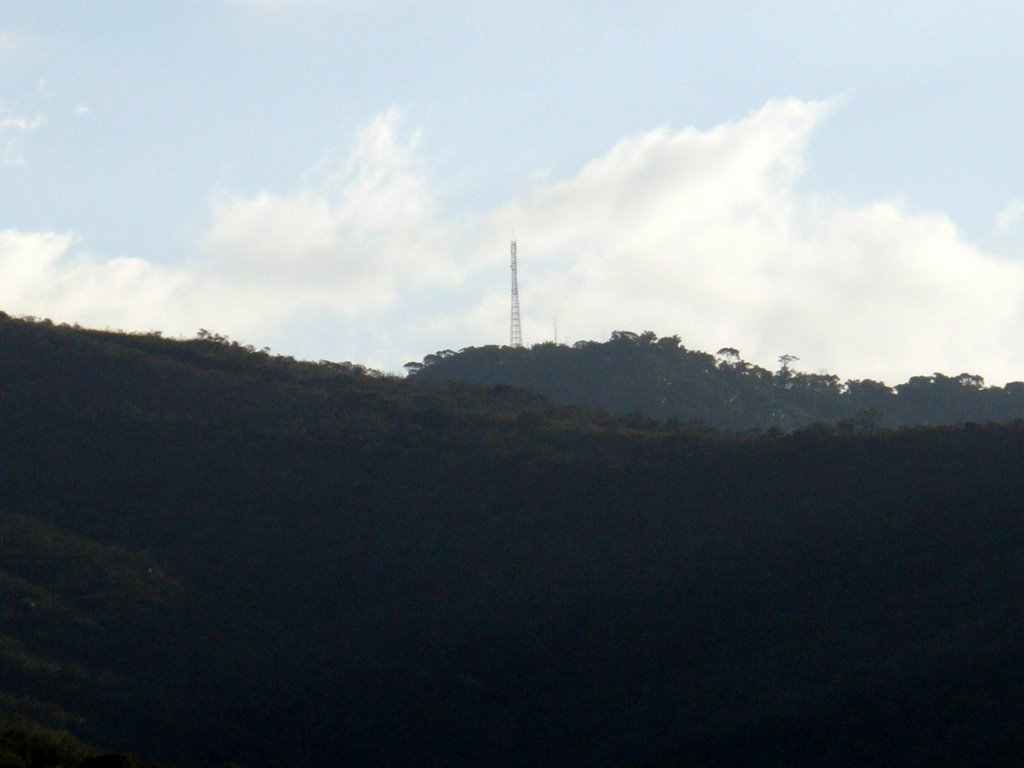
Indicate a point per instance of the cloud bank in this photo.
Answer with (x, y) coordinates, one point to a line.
(706, 234)
(702, 233)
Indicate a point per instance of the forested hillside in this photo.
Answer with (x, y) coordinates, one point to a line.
(659, 377)
(211, 553)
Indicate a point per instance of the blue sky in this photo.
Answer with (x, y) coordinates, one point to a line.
(340, 178)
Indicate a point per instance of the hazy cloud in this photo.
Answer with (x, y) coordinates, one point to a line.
(360, 229)
(20, 123)
(10, 44)
(1010, 215)
(12, 129)
(11, 153)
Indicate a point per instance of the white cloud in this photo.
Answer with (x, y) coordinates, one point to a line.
(703, 233)
(41, 274)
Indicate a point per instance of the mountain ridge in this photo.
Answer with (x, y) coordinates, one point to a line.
(212, 553)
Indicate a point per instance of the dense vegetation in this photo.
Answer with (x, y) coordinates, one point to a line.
(211, 553)
(640, 373)
(36, 747)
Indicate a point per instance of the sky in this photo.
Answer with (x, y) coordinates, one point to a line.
(340, 179)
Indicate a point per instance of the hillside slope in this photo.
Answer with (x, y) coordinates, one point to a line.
(211, 554)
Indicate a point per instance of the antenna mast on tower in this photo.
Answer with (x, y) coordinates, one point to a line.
(516, 335)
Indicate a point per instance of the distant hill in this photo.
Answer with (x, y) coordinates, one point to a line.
(212, 553)
(659, 377)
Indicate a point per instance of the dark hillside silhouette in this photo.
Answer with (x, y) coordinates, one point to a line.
(211, 553)
(659, 377)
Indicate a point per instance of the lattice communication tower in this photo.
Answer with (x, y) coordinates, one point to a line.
(516, 334)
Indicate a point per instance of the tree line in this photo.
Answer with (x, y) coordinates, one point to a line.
(660, 377)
